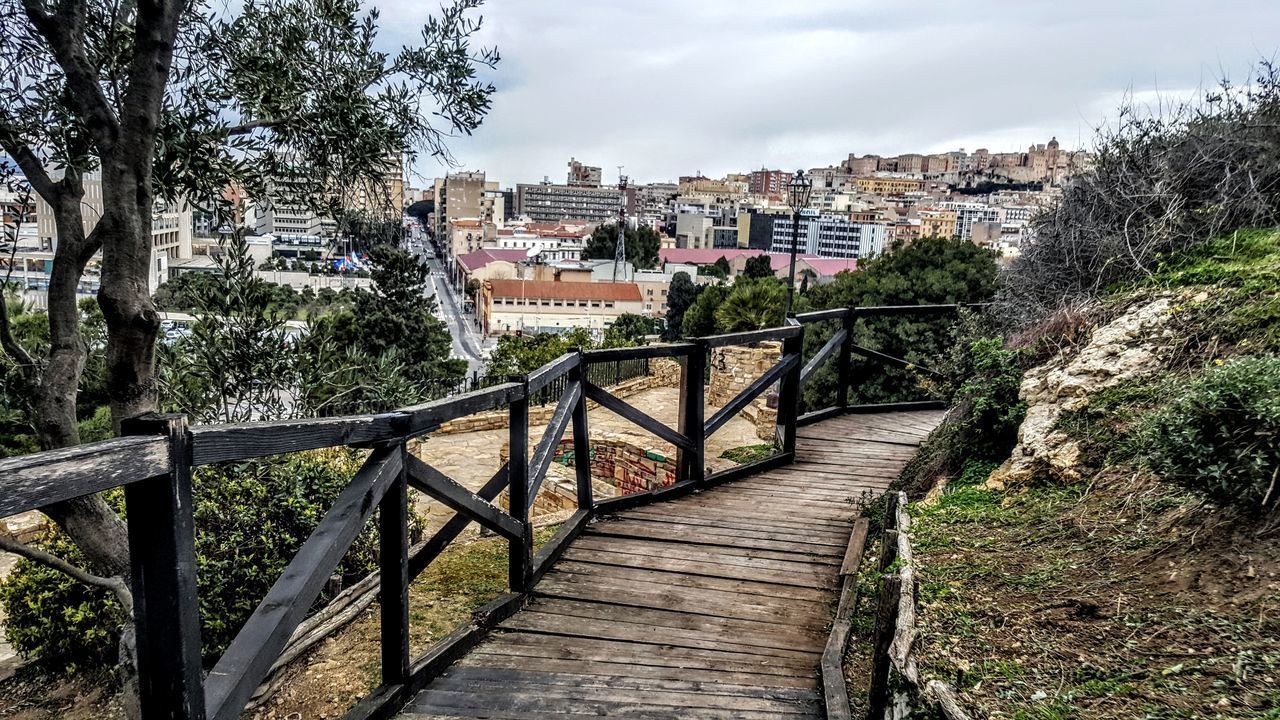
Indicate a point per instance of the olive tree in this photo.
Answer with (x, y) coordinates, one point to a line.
(294, 101)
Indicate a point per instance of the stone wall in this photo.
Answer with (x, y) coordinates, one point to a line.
(619, 461)
(620, 465)
(663, 372)
(735, 367)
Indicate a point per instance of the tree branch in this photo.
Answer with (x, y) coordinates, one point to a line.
(114, 584)
(64, 33)
(30, 164)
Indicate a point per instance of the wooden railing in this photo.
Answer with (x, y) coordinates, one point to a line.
(841, 348)
(154, 462)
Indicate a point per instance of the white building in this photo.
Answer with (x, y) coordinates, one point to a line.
(830, 236)
(970, 213)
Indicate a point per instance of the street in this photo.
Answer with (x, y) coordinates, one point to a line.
(467, 342)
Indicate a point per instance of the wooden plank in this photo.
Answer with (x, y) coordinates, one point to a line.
(162, 558)
(742, 504)
(808, 577)
(696, 536)
(611, 669)
(857, 542)
(448, 491)
(604, 355)
(241, 441)
(519, 548)
(659, 526)
(896, 310)
(32, 481)
(553, 624)
(648, 576)
(752, 337)
(488, 697)
(462, 675)
(744, 398)
(393, 565)
(720, 554)
(545, 450)
(816, 416)
(835, 692)
(667, 513)
(582, 445)
(821, 315)
(428, 416)
(629, 412)
(255, 648)
(543, 376)
(422, 555)
(707, 602)
(674, 693)
(577, 648)
(753, 632)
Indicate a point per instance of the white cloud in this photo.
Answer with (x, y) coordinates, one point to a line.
(669, 87)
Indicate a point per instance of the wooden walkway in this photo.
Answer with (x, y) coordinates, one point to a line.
(714, 605)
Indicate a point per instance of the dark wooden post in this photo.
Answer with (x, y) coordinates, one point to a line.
(886, 618)
(162, 553)
(789, 393)
(520, 554)
(582, 440)
(691, 464)
(844, 369)
(393, 561)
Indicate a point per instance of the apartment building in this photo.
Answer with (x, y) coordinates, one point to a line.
(829, 236)
(583, 175)
(937, 223)
(877, 185)
(466, 195)
(771, 183)
(969, 213)
(544, 202)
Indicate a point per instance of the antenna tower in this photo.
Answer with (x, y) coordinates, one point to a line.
(620, 254)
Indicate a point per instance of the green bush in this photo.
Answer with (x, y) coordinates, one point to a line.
(250, 519)
(1221, 436)
(66, 625)
(982, 426)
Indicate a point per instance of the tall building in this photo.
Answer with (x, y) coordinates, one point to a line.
(467, 195)
(583, 175)
(829, 236)
(768, 182)
(544, 202)
(653, 202)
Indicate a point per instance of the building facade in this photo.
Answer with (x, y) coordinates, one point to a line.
(547, 306)
(544, 202)
(829, 236)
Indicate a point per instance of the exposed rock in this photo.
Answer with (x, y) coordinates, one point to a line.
(1124, 348)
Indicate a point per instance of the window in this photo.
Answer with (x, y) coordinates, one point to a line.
(608, 304)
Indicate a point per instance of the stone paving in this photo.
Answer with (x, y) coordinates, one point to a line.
(472, 458)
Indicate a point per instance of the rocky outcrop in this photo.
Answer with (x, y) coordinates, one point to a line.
(1124, 348)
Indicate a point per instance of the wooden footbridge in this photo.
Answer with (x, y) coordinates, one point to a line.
(714, 597)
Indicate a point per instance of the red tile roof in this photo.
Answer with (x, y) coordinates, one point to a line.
(828, 267)
(551, 290)
(480, 258)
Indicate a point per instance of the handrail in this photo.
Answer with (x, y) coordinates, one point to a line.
(154, 463)
(39, 479)
(753, 336)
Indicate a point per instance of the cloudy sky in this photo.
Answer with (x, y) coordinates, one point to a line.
(671, 87)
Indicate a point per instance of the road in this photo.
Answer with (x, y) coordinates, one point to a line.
(467, 341)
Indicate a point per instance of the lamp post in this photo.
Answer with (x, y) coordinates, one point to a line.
(798, 191)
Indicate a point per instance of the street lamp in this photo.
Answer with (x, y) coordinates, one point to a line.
(798, 191)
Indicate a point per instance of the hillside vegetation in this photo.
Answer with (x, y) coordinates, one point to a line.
(1125, 561)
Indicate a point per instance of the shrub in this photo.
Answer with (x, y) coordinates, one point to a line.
(982, 427)
(1156, 185)
(250, 519)
(66, 625)
(1221, 437)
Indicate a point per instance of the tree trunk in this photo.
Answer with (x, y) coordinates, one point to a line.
(88, 521)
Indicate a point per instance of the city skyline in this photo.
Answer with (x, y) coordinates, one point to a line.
(667, 90)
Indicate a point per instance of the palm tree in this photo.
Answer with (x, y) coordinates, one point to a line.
(752, 305)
